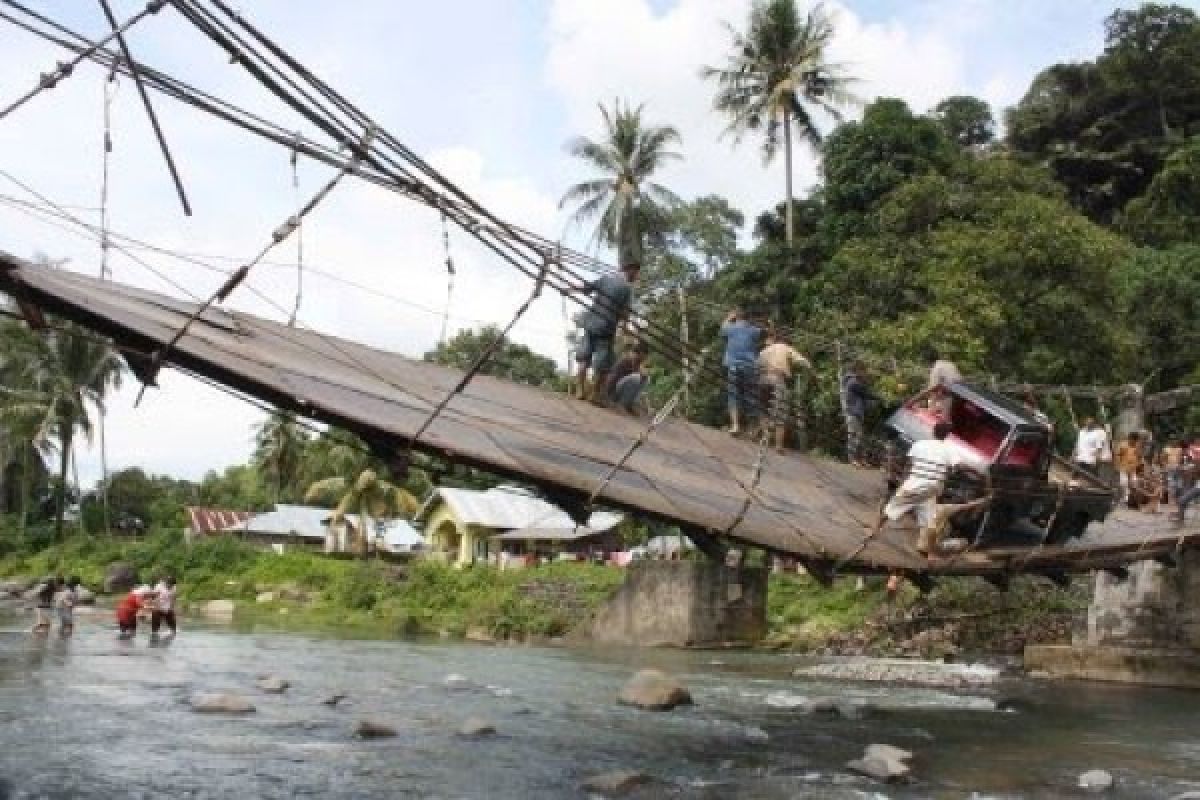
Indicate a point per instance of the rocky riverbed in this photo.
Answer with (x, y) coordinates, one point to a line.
(290, 715)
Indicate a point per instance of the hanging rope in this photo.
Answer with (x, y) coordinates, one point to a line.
(111, 87)
(663, 413)
(1070, 409)
(450, 272)
(755, 477)
(294, 160)
(240, 274)
(487, 353)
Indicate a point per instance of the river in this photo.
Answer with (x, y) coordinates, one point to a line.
(94, 718)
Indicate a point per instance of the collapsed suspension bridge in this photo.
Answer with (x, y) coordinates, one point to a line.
(713, 486)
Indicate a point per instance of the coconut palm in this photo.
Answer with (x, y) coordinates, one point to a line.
(776, 78)
(369, 496)
(280, 443)
(59, 378)
(624, 197)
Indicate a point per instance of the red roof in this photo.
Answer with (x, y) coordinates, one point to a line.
(213, 520)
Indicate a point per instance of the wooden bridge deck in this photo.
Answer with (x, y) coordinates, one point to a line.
(812, 508)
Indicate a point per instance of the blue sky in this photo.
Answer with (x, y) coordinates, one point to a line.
(489, 92)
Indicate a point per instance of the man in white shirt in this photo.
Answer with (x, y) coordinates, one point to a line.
(164, 608)
(1090, 445)
(930, 462)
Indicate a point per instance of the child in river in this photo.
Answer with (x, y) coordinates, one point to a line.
(43, 595)
(164, 608)
(64, 606)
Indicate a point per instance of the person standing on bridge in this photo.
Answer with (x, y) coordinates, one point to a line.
(741, 360)
(775, 363)
(628, 379)
(612, 296)
(1089, 446)
(858, 398)
(944, 372)
(929, 464)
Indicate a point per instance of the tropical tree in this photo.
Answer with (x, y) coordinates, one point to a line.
(967, 120)
(624, 200)
(777, 81)
(511, 361)
(59, 377)
(368, 496)
(280, 441)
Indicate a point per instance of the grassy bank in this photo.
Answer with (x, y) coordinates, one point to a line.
(422, 597)
(960, 615)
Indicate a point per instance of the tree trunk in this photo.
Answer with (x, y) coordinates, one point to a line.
(64, 463)
(787, 159)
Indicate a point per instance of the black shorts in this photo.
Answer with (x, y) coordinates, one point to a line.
(157, 618)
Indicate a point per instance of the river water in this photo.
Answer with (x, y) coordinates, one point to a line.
(94, 718)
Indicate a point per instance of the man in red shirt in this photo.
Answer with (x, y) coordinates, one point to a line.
(128, 608)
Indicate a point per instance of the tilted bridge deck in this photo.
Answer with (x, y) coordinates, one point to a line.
(811, 508)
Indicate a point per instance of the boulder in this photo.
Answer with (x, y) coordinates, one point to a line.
(1096, 780)
(476, 727)
(652, 690)
(265, 597)
(218, 609)
(220, 703)
(887, 752)
(371, 729)
(120, 577)
(615, 784)
(881, 769)
(272, 684)
(476, 633)
(84, 596)
(334, 699)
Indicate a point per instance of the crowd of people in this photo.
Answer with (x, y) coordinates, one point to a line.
(1147, 475)
(56, 598)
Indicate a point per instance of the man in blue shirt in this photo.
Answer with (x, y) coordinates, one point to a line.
(612, 295)
(858, 398)
(741, 366)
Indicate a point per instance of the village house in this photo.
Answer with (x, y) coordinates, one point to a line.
(306, 527)
(466, 526)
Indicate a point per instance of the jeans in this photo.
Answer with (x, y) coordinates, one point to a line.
(854, 437)
(742, 380)
(627, 391)
(1187, 498)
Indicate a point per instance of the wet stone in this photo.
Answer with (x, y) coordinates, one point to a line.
(476, 727)
(220, 703)
(616, 783)
(653, 690)
(272, 684)
(1096, 780)
(372, 729)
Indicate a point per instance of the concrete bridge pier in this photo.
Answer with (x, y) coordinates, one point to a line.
(1143, 628)
(702, 603)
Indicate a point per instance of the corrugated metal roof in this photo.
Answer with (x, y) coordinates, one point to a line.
(547, 535)
(510, 507)
(212, 520)
(307, 522)
(399, 536)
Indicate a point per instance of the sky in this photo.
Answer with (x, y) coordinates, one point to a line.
(489, 93)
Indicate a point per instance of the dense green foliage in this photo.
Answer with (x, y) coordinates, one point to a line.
(509, 360)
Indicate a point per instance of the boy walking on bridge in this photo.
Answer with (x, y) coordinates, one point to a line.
(776, 362)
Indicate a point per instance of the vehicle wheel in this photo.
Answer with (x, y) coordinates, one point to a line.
(1066, 528)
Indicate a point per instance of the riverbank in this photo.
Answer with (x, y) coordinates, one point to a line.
(301, 589)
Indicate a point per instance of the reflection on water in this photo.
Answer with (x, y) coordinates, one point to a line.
(96, 718)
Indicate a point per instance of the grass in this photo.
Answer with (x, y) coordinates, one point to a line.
(423, 597)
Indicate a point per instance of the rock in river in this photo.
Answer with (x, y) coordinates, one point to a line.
(615, 784)
(220, 703)
(1096, 780)
(370, 729)
(334, 699)
(883, 763)
(475, 728)
(120, 577)
(272, 684)
(653, 690)
(218, 609)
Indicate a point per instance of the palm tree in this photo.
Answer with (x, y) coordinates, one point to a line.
(280, 443)
(776, 77)
(368, 495)
(59, 376)
(625, 197)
